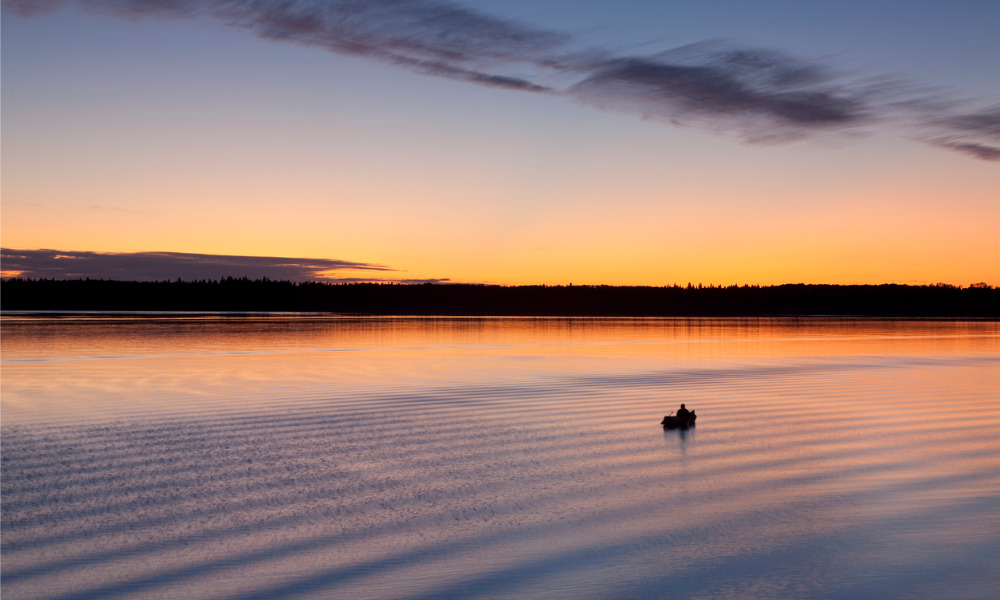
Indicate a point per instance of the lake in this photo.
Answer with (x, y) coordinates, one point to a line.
(310, 456)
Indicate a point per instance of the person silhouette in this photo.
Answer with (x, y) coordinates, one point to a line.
(683, 412)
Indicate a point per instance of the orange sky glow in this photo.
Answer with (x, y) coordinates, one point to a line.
(253, 148)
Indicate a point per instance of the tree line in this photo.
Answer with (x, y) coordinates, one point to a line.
(263, 295)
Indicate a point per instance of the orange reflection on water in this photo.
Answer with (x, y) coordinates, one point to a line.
(57, 366)
(220, 456)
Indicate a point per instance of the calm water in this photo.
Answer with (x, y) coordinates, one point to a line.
(298, 457)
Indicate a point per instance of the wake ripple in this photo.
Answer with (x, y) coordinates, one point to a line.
(562, 487)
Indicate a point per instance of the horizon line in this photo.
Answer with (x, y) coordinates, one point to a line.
(446, 283)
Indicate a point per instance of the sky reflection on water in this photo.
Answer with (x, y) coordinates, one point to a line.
(454, 458)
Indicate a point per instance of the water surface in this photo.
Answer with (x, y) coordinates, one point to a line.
(291, 457)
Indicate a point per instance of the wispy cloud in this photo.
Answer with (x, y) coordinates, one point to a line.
(976, 133)
(763, 94)
(758, 94)
(159, 266)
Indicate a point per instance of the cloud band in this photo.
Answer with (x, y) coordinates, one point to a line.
(160, 266)
(758, 94)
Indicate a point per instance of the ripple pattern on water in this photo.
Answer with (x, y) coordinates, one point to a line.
(553, 483)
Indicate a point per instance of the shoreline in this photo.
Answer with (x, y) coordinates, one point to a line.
(244, 296)
(180, 314)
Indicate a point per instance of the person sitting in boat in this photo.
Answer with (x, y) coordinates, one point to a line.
(683, 413)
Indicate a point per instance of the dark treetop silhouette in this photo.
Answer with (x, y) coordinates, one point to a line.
(230, 294)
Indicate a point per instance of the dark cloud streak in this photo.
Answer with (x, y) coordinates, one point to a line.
(976, 133)
(759, 94)
(982, 151)
(762, 94)
(160, 266)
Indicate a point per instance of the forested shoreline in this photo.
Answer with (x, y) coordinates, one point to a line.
(245, 295)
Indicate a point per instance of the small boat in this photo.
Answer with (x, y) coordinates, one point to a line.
(673, 422)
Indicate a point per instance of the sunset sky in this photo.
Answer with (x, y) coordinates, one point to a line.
(519, 142)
